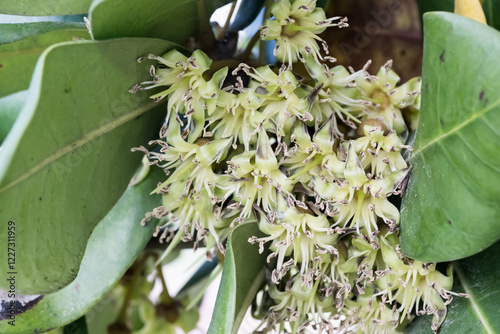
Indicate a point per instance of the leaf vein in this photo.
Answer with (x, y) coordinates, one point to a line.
(474, 153)
(489, 126)
(473, 302)
(94, 134)
(457, 128)
(472, 188)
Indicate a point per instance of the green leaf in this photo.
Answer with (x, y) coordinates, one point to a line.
(242, 276)
(451, 207)
(247, 13)
(323, 4)
(167, 19)
(172, 20)
(78, 326)
(44, 8)
(17, 31)
(113, 247)
(479, 277)
(432, 5)
(67, 159)
(492, 12)
(201, 275)
(10, 107)
(212, 5)
(24, 44)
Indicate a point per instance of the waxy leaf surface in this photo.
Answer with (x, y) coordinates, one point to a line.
(45, 7)
(22, 44)
(172, 20)
(67, 159)
(247, 13)
(242, 276)
(451, 208)
(113, 247)
(10, 107)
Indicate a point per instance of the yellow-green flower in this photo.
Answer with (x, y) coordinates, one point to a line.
(295, 27)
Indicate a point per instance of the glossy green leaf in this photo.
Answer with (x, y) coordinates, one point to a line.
(451, 207)
(173, 20)
(113, 247)
(44, 8)
(479, 277)
(247, 13)
(242, 276)
(201, 275)
(10, 107)
(67, 159)
(79, 326)
(22, 44)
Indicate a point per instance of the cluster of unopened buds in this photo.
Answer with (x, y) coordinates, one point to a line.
(314, 161)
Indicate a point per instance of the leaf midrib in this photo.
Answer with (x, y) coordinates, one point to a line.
(86, 138)
(457, 128)
(475, 307)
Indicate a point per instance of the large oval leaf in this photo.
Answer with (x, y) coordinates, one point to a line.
(247, 13)
(479, 277)
(10, 107)
(173, 20)
(242, 276)
(22, 44)
(44, 8)
(451, 208)
(113, 247)
(67, 159)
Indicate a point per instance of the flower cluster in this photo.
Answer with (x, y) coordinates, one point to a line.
(295, 27)
(313, 161)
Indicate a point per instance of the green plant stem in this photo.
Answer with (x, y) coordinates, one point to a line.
(122, 316)
(222, 32)
(245, 56)
(175, 241)
(309, 165)
(262, 46)
(165, 297)
(205, 35)
(217, 65)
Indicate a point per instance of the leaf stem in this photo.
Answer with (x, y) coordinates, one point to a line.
(248, 50)
(262, 46)
(222, 32)
(165, 297)
(205, 35)
(122, 316)
(175, 241)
